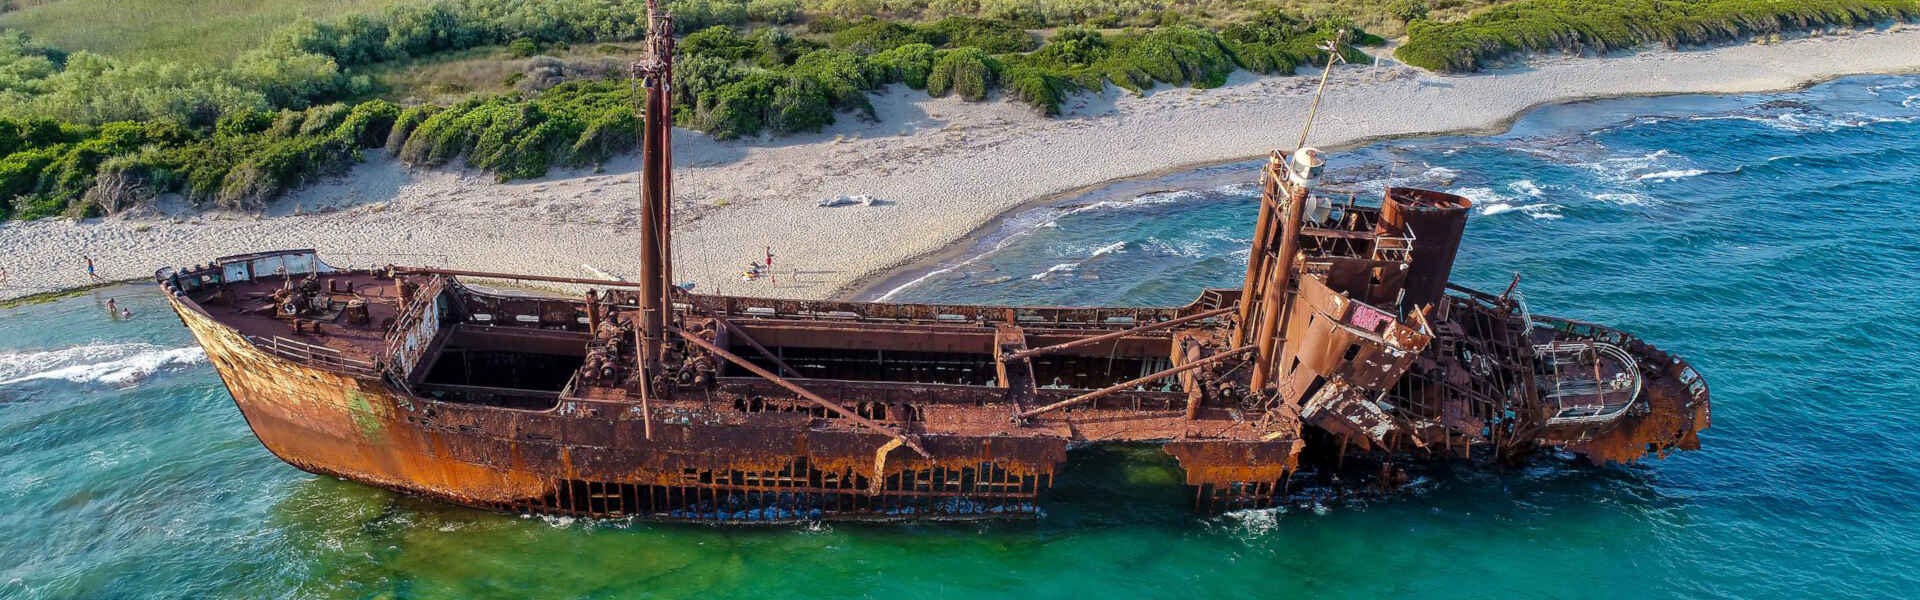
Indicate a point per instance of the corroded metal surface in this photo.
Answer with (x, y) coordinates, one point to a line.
(643, 399)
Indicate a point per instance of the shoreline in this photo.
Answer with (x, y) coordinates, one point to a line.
(949, 174)
(878, 285)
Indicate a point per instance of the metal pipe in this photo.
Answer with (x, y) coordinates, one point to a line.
(800, 391)
(1256, 258)
(513, 277)
(1277, 287)
(1030, 353)
(1120, 387)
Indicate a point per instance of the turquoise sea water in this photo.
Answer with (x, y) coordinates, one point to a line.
(1771, 239)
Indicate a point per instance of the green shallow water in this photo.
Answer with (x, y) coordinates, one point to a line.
(1768, 238)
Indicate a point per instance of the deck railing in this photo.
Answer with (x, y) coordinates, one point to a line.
(314, 356)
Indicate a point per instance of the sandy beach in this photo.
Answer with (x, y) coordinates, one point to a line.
(939, 168)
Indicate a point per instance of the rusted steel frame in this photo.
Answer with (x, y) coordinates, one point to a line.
(1123, 386)
(1277, 284)
(802, 392)
(1030, 353)
(513, 277)
(785, 369)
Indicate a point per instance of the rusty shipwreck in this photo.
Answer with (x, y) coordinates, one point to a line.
(646, 400)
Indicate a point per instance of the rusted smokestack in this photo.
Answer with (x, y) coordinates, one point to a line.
(1436, 222)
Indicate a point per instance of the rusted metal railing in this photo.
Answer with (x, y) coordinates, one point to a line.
(314, 356)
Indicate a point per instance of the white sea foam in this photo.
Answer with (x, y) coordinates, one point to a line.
(1059, 269)
(1622, 198)
(1670, 175)
(1175, 247)
(1111, 249)
(106, 364)
(1441, 174)
(1255, 521)
(1152, 199)
(1491, 203)
(1527, 188)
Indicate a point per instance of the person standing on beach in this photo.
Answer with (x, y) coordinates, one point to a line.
(90, 272)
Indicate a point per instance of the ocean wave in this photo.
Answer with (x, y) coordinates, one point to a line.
(1111, 248)
(104, 364)
(1624, 168)
(1059, 269)
(1622, 198)
(1671, 174)
(1490, 203)
(1441, 174)
(1148, 199)
(1526, 187)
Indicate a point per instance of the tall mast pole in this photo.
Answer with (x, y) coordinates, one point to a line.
(655, 73)
(1269, 282)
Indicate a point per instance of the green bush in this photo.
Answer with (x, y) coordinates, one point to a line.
(992, 35)
(967, 72)
(1579, 26)
(523, 48)
(779, 12)
(909, 64)
(20, 172)
(404, 125)
(1037, 86)
(369, 124)
(872, 35)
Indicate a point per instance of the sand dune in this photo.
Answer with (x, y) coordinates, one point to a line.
(942, 167)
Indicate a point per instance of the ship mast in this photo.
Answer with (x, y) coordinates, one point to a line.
(655, 74)
(1284, 187)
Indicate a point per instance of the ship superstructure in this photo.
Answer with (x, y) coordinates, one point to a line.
(644, 399)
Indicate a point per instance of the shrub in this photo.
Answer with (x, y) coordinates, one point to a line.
(872, 35)
(1575, 26)
(1037, 86)
(20, 172)
(719, 41)
(967, 72)
(1407, 11)
(992, 35)
(404, 125)
(909, 64)
(740, 108)
(778, 12)
(523, 48)
(369, 124)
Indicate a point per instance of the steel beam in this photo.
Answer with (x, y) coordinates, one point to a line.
(800, 391)
(1121, 387)
(1026, 354)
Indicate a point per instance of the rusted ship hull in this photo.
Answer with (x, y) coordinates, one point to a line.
(741, 450)
(581, 458)
(644, 399)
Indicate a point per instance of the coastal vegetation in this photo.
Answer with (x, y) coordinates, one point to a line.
(113, 123)
(1597, 27)
(84, 134)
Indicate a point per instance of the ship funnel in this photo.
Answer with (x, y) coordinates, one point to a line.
(1436, 221)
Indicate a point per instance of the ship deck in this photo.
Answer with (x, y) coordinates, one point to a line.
(945, 408)
(247, 308)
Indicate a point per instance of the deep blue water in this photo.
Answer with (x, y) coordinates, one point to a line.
(1768, 238)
